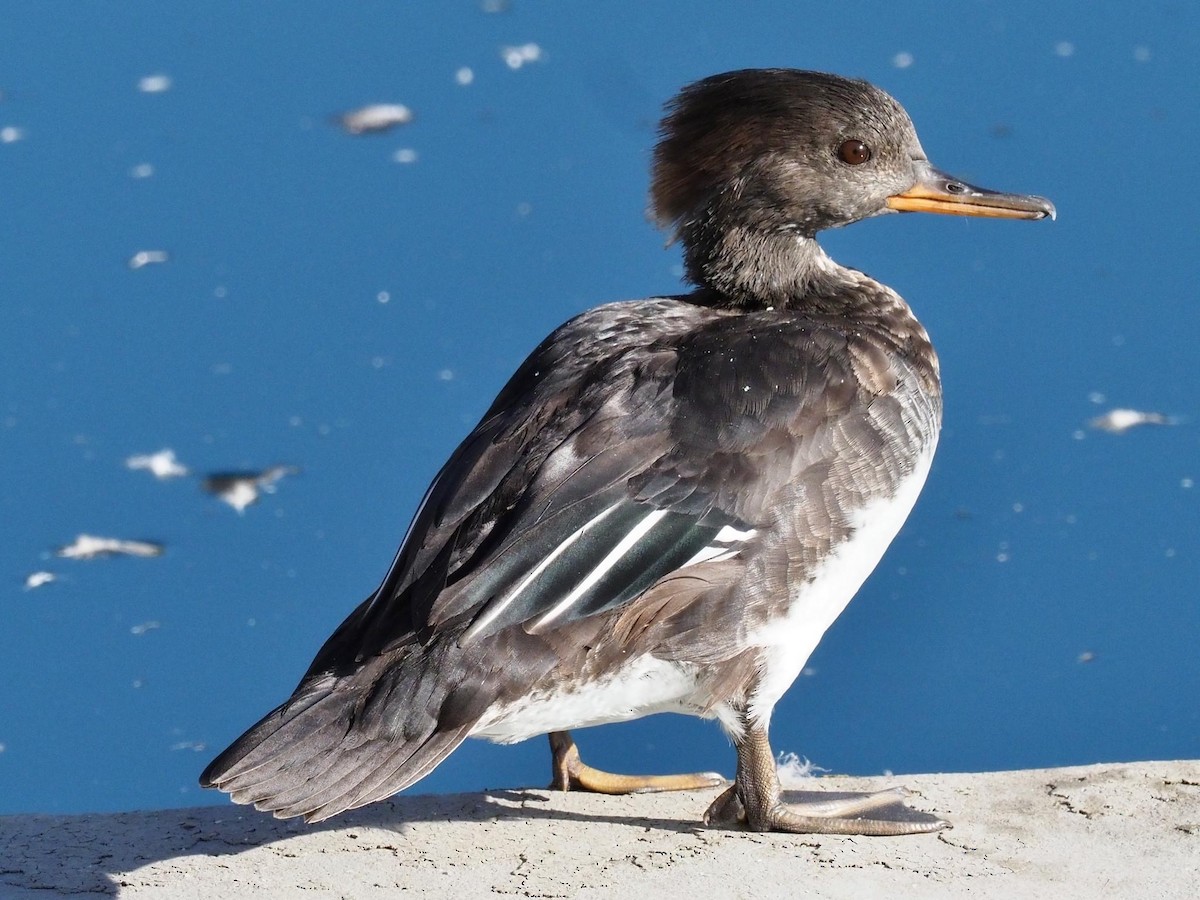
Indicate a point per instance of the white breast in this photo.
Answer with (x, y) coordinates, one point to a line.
(791, 639)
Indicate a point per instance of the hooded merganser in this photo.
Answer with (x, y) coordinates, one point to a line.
(672, 499)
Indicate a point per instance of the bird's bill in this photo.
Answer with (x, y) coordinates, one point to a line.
(937, 192)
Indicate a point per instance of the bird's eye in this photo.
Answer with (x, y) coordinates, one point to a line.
(854, 152)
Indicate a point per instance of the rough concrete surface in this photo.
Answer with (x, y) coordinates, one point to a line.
(1130, 830)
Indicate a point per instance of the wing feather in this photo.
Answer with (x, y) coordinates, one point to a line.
(600, 470)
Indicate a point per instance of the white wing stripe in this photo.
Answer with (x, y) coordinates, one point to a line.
(626, 544)
(726, 545)
(730, 535)
(504, 602)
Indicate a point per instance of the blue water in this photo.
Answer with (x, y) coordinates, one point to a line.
(328, 307)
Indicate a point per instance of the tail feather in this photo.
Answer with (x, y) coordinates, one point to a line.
(275, 732)
(336, 792)
(315, 756)
(299, 798)
(390, 778)
(336, 788)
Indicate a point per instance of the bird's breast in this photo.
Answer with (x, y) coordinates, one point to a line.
(816, 598)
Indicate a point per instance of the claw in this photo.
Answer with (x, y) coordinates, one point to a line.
(726, 810)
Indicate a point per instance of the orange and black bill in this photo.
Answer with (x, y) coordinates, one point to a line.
(937, 192)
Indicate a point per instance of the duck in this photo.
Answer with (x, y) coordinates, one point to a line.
(671, 500)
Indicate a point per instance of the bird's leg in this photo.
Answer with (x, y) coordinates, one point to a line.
(754, 798)
(570, 773)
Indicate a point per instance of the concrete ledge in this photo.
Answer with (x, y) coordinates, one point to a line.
(1130, 830)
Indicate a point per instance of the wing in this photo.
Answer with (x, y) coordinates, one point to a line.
(637, 440)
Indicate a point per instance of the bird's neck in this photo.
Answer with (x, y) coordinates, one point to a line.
(747, 269)
(756, 268)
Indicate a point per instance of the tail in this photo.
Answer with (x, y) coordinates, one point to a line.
(341, 742)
